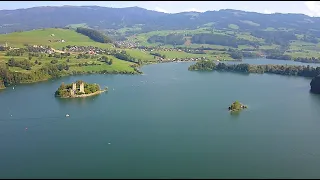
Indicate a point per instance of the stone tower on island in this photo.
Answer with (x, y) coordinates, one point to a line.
(74, 89)
(82, 87)
(74, 86)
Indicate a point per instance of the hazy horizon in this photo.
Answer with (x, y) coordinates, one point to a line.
(310, 8)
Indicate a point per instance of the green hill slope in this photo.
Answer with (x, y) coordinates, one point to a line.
(23, 62)
(48, 37)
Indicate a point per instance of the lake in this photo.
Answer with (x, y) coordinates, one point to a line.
(167, 123)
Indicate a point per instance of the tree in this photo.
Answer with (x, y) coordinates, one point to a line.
(94, 35)
(110, 61)
(62, 86)
(54, 61)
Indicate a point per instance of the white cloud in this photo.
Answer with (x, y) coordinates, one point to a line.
(160, 10)
(266, 11)
(246, 8)
(194, 10)
(313, 7)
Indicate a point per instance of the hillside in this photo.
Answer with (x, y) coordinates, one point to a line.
(116, 18)
(94, 16)
(38, 55)
(223, 35)
(130, 37)
(48, 37)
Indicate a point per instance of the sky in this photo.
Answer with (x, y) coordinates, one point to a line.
(310, 8)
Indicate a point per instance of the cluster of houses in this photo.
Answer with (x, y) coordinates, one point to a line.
(86, 49)
(33, 48)
(91, 50)
(127, 44)
(180, 59)
(57, 40)
(142, 48)
(40, 49)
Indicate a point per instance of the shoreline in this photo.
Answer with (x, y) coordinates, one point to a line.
(121, 73)
(175, 61)
(84, 95)
(71, 74)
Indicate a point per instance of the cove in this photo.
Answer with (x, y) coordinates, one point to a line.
(167, 123)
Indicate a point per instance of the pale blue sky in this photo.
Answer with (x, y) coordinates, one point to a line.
(311, 8)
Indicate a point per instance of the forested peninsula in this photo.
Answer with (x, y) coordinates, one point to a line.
(288, 70)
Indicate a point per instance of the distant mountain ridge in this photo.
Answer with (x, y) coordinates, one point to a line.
(115, 18)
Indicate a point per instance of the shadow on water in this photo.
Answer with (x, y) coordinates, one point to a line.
(314, 94)
(222, 72)
(235, 114)
(315, 97)
(237, 73)
(79, 101)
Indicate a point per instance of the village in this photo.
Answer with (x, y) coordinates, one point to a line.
(95, 51)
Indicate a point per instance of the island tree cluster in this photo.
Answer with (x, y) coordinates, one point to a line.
(290, 70)
(65, 89)
(315, 85)
(236, 106)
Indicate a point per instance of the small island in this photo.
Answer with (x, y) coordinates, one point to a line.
(236, 106)
(78, 89)
(315, 85)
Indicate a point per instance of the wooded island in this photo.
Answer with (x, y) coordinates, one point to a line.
(78, 89)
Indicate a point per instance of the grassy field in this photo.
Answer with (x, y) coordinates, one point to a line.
(117, 65)
(308, 54)
(233, 26)
(250, 23)
(144, 56)
(213, 55)
(143, 37)
(248, 36)
(42, 37)
(296, 48)
(75, 26)
(303, 49)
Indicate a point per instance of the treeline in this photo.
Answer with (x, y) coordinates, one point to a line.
(280, 56)
(105, 59)
(223, 40)
(24, 64)
(126, 57)
(59, 55)
(290, 70)
(173, 39)
(44, 73)
(203, 65)
(16, 52)
(275, 37)
(118, 38)
(94, 35)
(237, 54)
(158, 55)
(310, 38)
(48, 71)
